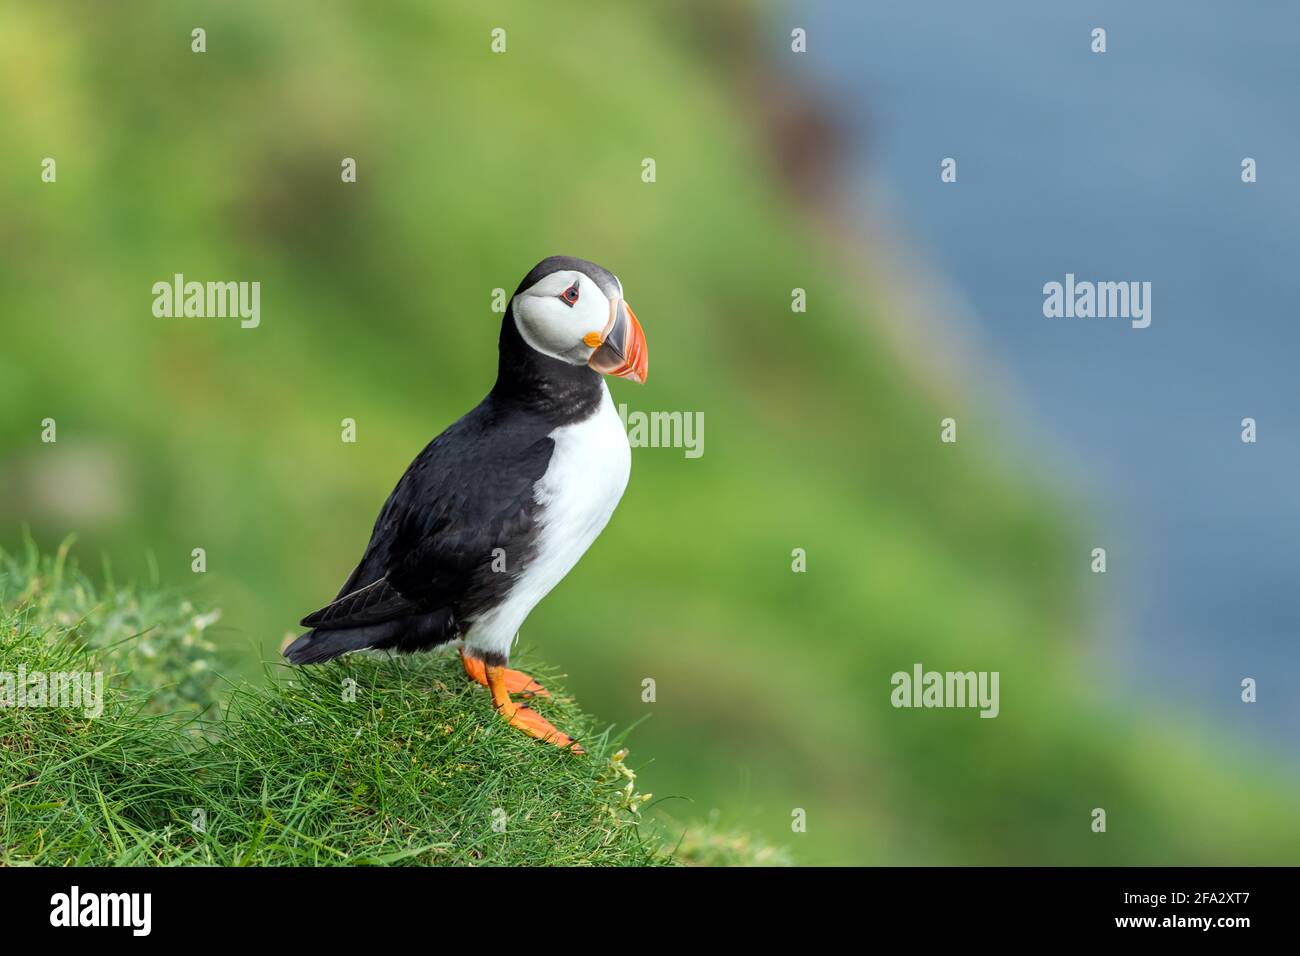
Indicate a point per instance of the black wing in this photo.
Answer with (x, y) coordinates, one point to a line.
(467, 494)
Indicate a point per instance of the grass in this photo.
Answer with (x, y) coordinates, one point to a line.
(373, 761)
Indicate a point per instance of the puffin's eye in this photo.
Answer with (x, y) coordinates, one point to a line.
(570, 295)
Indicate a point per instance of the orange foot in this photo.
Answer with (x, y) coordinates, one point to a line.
(517, 682)
(535, 725)
(502, 682)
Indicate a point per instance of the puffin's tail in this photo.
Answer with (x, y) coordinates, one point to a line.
(316, 646)
(405, 635)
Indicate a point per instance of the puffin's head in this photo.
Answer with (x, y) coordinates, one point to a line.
(573, 310)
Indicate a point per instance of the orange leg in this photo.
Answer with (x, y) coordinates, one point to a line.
(522, 716)
(517, 682)
(498, 681)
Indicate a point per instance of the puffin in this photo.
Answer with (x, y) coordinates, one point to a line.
(497, 509)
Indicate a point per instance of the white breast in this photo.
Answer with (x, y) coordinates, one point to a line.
(583, 483)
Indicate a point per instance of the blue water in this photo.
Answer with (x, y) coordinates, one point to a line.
(1117, 166)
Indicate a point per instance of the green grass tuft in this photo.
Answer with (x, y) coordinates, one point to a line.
(367, 761)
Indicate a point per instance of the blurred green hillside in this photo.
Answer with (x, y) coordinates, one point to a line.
(772, 687)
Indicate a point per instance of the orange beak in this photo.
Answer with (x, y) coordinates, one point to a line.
(622, 351)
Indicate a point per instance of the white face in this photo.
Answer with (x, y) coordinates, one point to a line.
(563, 316)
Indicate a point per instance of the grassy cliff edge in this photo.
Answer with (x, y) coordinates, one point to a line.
(372, 761)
